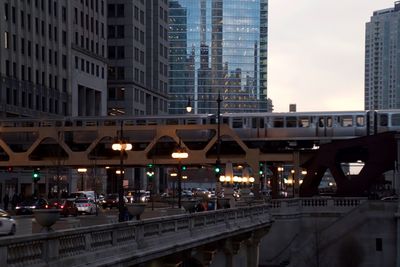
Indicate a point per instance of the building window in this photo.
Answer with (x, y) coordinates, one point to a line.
(378, 244)
(64, 38)
(64, 14)
(120, 10)
(6, 11)
(6, 40)
(64, 61)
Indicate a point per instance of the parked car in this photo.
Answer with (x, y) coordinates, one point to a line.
(85, 205)
(7, 224)
(111, 201)
(67, 207)
(29, 205)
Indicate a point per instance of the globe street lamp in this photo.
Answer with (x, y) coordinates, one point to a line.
(82, 171)
(122, 146)
(180, 154)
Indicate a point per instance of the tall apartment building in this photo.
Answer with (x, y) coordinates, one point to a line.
(52, 55)
(382, 61)
(218, 47)
(138, 57)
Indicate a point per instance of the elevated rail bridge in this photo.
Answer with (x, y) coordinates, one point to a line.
(245, 139)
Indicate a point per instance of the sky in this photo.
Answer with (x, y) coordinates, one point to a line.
(316, 53)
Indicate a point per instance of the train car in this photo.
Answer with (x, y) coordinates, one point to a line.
(386, 120)
(304, 125)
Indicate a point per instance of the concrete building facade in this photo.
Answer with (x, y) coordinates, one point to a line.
(138, 57)
(382, 64)
(52, 57)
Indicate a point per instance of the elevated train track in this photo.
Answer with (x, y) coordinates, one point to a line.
(245, 138)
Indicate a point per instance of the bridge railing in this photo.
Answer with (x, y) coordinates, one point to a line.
(104, 243)
(315, 205)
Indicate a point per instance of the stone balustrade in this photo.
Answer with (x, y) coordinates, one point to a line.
(315, 205)
(131, 242)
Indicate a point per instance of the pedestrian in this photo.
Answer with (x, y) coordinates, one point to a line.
(6, 199)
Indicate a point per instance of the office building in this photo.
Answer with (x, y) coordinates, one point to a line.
(138, 57)
(382, 63)
(52, 57)
(218, 47)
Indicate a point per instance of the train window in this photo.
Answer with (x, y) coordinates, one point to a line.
(237, 123)
(346, 121)
(257, 123)
(383, 120)
(109, 123)
(395, 119)
(172, 122)
(140, 122)
(321, 122)
(304, 122)
(278, 122)
(328, 121)
(291, 122)
(360, 121)
(254, 123)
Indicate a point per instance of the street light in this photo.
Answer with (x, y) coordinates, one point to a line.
(122, 146)
(180, 154)
(189, 106)
(82, 171)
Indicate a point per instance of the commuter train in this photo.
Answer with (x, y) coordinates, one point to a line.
(274, 125)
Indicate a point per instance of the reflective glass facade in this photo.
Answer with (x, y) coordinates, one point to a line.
(218, 46)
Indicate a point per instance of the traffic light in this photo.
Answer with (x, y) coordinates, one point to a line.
(150, 170)
(261, 170)
(184, 168)
(36, 175)
(217, 169)
(9, 168)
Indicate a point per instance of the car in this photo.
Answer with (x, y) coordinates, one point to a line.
(85, 205)
(67, 207)
(187, 193)
(88, 194)
(142, 195)
(111, 201)
(29, 205)
(390, 198)
(7, 224)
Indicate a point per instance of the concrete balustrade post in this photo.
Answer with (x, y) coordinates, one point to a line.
(139, 234)
(3, 256)
(88, 241)
(50, 249)
(114, 237)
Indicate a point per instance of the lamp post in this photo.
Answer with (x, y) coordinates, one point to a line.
(180, 154)
(280, 171)
(82, 171)
(121, 146)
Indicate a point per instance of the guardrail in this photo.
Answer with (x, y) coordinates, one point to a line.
(133, 241)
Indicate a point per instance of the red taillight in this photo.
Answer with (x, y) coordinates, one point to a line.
(62, 206)
(47, 206)
(87, 205)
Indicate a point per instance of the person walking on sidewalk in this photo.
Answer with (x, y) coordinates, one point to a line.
(6, 200)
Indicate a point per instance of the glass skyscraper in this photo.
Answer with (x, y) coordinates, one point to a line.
(218, 47)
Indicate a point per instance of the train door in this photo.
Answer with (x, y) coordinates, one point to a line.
(324, 126)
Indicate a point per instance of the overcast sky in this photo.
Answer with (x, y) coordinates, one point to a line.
(316, 53)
